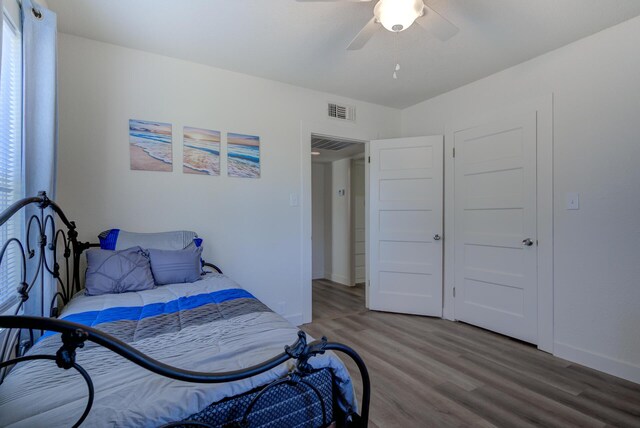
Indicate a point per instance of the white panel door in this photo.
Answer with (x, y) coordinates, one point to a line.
(406, 185)
(495, 227)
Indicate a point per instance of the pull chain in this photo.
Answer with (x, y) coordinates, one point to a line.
(397, 67)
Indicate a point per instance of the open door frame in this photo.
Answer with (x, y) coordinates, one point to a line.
(339, 130)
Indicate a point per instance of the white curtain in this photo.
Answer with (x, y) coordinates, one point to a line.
(40, 121)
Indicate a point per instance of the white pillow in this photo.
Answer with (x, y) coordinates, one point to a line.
(116, 239)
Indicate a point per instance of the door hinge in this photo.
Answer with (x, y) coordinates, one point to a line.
(454, 152)
(369, 159)
(454, 291)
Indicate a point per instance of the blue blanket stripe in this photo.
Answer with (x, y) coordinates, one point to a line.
(132, 313)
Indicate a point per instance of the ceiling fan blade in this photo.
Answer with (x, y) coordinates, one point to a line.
(437, 24)
(364, 35)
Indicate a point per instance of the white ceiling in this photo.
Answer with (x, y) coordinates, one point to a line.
(304, 44)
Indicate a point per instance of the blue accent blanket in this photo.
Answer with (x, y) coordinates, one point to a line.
(172, 307)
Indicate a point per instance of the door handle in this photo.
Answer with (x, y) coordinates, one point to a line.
(437, 237)
(527, 242)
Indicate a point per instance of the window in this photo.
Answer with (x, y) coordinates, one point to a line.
(10, 149)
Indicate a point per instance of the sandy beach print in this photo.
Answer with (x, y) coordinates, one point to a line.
(150, 145)
(201, 151)
(243, 155)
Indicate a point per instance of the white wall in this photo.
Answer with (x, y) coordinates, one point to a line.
(333, 219)
(340, 222)
(249, 228)
(596, 87)
(318, 208)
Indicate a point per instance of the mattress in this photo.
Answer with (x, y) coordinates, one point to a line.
(211, 325)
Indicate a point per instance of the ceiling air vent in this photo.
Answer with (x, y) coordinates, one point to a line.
(341, 112)
(322, 142)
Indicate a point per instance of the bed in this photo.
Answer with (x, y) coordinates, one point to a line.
(202, 353)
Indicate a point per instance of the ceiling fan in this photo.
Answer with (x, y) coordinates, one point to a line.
(398, 15)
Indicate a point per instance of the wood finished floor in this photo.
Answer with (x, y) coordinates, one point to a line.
(428, 372)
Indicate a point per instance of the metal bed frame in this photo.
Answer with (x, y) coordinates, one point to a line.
(56, 253)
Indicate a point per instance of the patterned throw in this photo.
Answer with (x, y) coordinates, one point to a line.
(211, 325)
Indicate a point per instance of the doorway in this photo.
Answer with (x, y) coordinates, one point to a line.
(499, 206)
(338, 221)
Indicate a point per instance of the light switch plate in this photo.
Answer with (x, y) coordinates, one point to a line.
(573, 201)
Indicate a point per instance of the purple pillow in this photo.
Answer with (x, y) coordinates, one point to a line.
(110, 272)
(175, 266)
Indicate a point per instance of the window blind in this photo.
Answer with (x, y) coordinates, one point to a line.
(10, 156)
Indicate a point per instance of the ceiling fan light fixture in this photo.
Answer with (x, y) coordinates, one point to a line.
(398, 15)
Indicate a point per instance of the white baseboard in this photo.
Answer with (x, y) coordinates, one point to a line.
(612, 366)
(340, 279)
(318, 275)
(295, 319)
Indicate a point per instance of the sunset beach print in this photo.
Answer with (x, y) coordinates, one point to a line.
(150, 145)
(201, 151)
(243, 155)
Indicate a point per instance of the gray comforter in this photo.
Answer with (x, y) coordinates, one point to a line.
(211, 325)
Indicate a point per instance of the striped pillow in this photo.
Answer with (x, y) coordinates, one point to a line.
(175, 266)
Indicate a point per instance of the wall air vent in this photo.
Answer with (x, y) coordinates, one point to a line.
(341, 112)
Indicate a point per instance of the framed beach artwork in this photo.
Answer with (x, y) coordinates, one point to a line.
(150, 145)
(201, 151)
(243, 155)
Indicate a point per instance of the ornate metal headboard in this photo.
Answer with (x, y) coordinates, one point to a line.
(47, 254)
